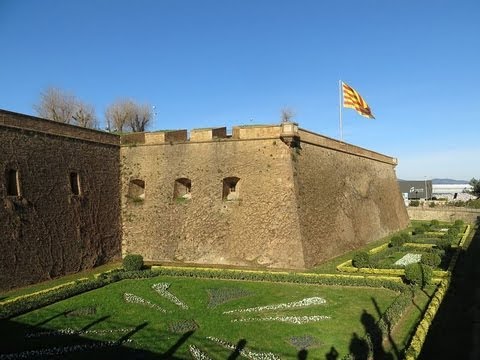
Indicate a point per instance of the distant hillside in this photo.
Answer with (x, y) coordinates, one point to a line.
(449, 181)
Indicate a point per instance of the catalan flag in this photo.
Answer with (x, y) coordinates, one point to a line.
(353, 100)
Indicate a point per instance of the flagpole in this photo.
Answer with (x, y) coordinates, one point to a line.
(340, 107)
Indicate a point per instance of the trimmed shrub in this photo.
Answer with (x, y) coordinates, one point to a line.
(453, 231)
(449, 237)
(418, 274)
(421, 229)
(431, 259)
(414, 203)
(133, 262)
(361, 259)
(431, 204)
(444, 244)
(434, 223)
(458, 223)
(406, 237)
(397, 241)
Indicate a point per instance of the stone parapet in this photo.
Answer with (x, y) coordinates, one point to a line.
(26, 122)
(256, 132)
(209, 134)
(329, 143)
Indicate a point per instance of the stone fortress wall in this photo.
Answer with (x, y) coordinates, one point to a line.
(265, 196)
(60, 209)
(301, 198)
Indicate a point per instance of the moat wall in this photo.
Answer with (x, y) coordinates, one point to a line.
(259, 228)
(346, 196)
(302, 198)
(47, 230)
(264, 196)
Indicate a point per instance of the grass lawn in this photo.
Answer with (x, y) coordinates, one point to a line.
(56, 282)
(351, 310)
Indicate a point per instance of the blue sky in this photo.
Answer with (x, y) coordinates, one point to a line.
(222, 63)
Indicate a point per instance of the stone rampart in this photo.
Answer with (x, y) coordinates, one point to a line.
(265, 196)
(60, 208)
(301, 198)
(346, 197)
(256, 225)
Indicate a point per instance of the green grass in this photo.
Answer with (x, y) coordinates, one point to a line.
(407, 325)
(345, 305)
(330, 266)
(56, 282)
(151, 330)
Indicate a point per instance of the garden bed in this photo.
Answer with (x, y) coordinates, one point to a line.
(270, 318)
(390, 258)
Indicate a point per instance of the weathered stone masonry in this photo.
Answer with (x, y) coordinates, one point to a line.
(302, 198)
(48, 231)
(269, 196)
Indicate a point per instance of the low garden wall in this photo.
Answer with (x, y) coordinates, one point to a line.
(449, 214)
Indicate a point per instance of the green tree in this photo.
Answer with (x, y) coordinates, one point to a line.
(476, 187)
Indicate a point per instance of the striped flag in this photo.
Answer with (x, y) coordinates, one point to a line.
(353, 100)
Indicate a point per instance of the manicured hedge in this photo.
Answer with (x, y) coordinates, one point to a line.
(394, 312)
(361, 259)
(431, 259)
(133, 262)
(34, 301)
(26, 304)
(416, 343)
(418, 274)
(30, 302)
(305, 278)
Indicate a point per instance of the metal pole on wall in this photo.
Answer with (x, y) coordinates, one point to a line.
(340, 107)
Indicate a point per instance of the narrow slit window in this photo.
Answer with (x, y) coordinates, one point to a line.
(75, 183)
(13, 183)
(182, 188)
(230, 188)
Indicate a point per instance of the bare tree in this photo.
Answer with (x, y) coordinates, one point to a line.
(124, 114)
(142, 117)
(58, 105)
(84, 115)
(55, 105)
(287, 115)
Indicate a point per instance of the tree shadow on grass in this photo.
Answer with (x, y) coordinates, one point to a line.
(128, 335)
(332, 354)
(238, 349)
(302, 354)
(47, 320)
(93, 323)
(371, 345)
(14, 344)
(169, 353)
(389, 331)
(375, 335)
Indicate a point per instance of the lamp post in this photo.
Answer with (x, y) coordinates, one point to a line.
(426, 192)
